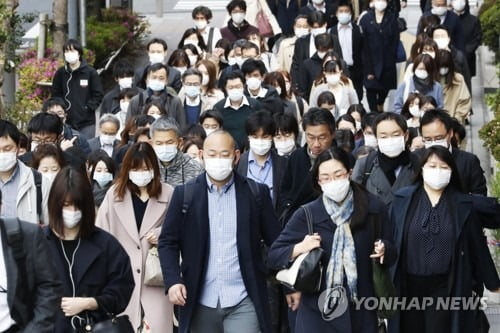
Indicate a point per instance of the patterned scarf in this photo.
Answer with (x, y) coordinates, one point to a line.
(343, 256)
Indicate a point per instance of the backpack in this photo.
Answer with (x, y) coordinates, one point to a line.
(38, 184)
(370, 159)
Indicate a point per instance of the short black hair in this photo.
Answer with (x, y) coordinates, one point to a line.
(318, 116)
(438, 27)
(249, 45)
(326, 97)
(236, 3)
(444, 155)
(252, 65)
(75, 45)
(357, 108)
(157, 41)
(286, 123)
(348, 118)
(51, 102)
(205, 11)
(232, 76)
(368, 120)
(192, 71)
(156, 67)
(459, 129)
(345, 140)
(143, 120)
(260, 120)
(122, 68)
(194, 131)
(345, 3)
(128, 92)
(399, 119)
(215, 114)
(44, 122)
(316, 17)
(8, 129)
(431, 116)
(429, 99)
(333, 153)
(324, 42)
(298, 17)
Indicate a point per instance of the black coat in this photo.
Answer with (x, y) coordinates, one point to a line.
(187, 235)
(278, 163)
(452, 23)
(101, 269)
(110, 102)
(301, 53)
(82, 91)
(309, 70)
(286, 14)
(380, 44)
(473, 35)
(330, 13)
(471, 261)
(174, 77)
(368, 213)
(33, 304)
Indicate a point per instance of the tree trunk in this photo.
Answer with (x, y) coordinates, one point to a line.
(60, 30)
(8, 8)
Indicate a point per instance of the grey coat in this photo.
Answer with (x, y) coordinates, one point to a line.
(180, 170)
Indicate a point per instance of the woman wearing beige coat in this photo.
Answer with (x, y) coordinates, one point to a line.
(133, 211)
(253, 8)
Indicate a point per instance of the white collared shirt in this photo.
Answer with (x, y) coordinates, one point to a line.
(6, 320)
(191, 102)
(107, 148)
(312, 46)
(244, 101)
(345, 40)
(262, 93)
(215, 38)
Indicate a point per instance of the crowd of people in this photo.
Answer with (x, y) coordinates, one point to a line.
(196, 184)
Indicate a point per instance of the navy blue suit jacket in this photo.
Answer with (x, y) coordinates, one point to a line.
(187, 235)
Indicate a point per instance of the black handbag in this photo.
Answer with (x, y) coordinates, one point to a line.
(116, 324)
(306, 271)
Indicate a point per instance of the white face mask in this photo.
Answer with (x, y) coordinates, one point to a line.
(50, 175)
(318, 2)
(209, 131)
(108, 139)
(442, 43)
(238, 18)
(231, 61)
(436, 178)
(33, 145)
(7, 161)
(370, 140)
(300, 32)
(439, 11)
(125, 82)
(235, 94)
(432, 54)
(391, 147)
(200, 24)
(71, 218)
(192, 91)
(239, 61)
(458, 5)
(321, 55)
(260, 146)
(218, 168)
(284, 147)
(344, 18)
(124, 106)
(443, 71)
(141, 178)
(166, 153)
(193, 60)
(442, 143)
(336, 190)
(380, 5)
(156, 58)
(421, 74)
(253, 83)
(155, 115)
(415, 111)
(332, 79)
(181, 69)
(278, 90)
(318, 31)
(156, 85)
(205, 79)
(103, 178)
(71, 57)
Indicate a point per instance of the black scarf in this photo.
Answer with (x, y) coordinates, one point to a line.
(390, 164)
(423, 86)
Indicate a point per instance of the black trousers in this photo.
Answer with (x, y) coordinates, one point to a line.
(376, 97)
(428, 320)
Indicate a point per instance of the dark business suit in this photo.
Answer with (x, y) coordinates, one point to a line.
(454, 27)
(101, 270)
(173, 79)
(356, 69)
(33, 305)
(95, 144)
(187, 235)
(301, 53)
(471, 263)
(278, 163)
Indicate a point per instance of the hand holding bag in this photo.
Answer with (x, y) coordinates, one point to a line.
(305, 273)
(153, 276)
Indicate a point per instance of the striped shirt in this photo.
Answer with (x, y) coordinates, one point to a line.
(223, 284)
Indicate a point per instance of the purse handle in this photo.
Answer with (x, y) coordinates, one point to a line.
(310, 229)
